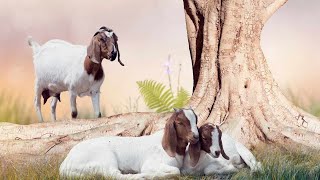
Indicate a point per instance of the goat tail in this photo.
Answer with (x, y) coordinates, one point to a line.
(33, 44)
(248, 158)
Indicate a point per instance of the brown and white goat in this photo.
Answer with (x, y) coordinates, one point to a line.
(159, 155)
(61, 66)
(203, 157)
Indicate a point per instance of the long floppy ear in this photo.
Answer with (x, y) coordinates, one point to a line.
(169, 140)
(221, 146)
(176, 110)
(194, 152)
(115, 37)
(93, 51)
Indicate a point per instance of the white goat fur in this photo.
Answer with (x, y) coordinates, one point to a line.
(59, 66)
(118, 156)
(239, 156)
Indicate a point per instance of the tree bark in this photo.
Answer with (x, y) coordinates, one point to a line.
(233, 86)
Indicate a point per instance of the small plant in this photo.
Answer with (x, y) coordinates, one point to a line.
(160, 98)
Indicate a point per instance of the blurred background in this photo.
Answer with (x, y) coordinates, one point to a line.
(149, 32)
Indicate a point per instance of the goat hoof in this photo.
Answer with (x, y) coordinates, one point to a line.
(99, 116)
(74, 114)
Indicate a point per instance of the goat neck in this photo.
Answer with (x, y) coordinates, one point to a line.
(93, 69)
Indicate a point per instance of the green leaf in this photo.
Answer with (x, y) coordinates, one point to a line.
(156, 95)
(182, 98)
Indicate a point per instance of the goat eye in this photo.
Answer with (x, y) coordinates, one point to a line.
(180, 123)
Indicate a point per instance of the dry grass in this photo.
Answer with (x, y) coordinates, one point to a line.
(14, 110)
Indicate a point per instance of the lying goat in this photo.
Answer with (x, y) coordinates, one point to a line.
(61, 66)
(203, 157)
(154, 156)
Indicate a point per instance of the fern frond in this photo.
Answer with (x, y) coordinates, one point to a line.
(182, 98)
(156, 96)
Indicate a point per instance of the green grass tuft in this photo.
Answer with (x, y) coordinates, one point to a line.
(279, 163)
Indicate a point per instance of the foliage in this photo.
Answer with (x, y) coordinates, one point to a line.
(181, 99)
(281, 163)
(14, 110)
(45, 170)
(278, 163)
(160, 98)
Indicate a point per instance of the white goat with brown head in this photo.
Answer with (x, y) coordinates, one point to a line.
(61, 66)
(203, 157)
(159, 155)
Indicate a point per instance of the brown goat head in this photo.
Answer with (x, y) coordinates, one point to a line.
(210, 140)
(180, 129)
(104, 44)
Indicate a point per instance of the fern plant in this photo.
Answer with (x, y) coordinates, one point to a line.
(160, 98)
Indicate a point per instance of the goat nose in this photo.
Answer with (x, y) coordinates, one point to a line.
(196, 136)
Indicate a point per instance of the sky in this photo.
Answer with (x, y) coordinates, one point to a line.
(149, 31)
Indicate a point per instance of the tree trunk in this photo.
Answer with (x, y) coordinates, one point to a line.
(232, 86)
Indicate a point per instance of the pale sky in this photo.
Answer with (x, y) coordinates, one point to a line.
(148, 31)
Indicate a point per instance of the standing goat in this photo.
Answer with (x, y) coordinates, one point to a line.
(203, 157)
(159, 155)
(61, 66)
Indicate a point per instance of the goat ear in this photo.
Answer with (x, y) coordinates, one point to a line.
(221, 145)
(176, 110)
(194, 152)
(96, 33)
(93, 51)
(115, 37)
(169, 140)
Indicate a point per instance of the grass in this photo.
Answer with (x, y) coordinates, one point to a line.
(14, 110)
(278, 164)
(310, 105)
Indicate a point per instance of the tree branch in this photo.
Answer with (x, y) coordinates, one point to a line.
(63, 137)
(272, 7)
